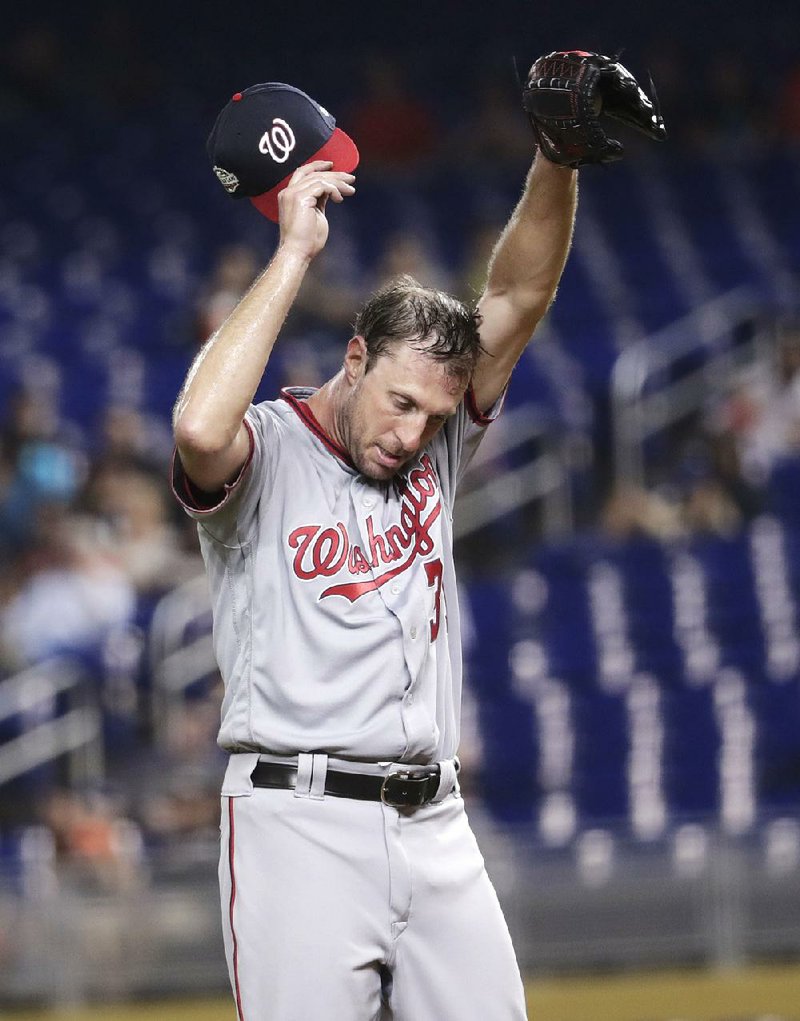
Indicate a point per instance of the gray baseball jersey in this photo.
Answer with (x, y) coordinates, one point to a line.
(336, 624)
(336, 630)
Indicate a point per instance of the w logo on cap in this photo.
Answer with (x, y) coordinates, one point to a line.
(278, 141)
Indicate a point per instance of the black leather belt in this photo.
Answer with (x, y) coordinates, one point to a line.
(406, 788)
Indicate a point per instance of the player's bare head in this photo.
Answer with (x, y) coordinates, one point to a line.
(405, 312)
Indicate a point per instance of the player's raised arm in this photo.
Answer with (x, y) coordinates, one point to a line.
(278, 147)
(565, 96)
(211, 438)
(524, 272)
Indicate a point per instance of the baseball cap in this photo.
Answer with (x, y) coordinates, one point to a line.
(265, 133)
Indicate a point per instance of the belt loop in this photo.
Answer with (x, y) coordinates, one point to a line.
(305, 773)
(238, 774)
(448, 780)
(319, 771)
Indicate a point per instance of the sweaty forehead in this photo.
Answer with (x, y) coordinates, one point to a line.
(431, 382)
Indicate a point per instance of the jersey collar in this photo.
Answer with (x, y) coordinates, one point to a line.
(297, 399)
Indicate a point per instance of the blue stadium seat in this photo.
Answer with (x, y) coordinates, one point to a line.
(783, 490)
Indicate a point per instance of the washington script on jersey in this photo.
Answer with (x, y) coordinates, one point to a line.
(324, 552)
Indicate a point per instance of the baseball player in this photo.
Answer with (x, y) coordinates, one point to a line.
(352, 887)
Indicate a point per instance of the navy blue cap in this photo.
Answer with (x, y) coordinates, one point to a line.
(265, 133)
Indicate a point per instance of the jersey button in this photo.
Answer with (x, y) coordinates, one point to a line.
(413, 632)
(395, 589)
(368, 501)
(409, 699)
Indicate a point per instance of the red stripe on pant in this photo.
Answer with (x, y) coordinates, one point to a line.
(239, 1011)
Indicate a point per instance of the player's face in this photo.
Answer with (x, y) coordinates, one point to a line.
(396, 408)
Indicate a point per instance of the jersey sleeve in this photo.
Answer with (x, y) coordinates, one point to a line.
(454, 447)
(229, 514)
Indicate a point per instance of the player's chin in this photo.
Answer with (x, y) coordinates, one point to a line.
(380, 465)
(378, 473)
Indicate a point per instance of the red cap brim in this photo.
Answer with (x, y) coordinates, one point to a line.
(340, 149)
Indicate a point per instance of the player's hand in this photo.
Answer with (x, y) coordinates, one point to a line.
(301, 206)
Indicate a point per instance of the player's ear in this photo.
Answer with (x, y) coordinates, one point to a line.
(355, 358)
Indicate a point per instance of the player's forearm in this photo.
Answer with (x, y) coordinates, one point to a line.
(529, 257)
(224, 377)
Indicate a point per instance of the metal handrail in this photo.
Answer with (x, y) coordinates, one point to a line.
(637, 415)
(36, 684)
(541, 478)
(176, 664)
(47, 741)
(77, 731)
(545, 477)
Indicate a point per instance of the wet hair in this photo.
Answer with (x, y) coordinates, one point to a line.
(403, 311)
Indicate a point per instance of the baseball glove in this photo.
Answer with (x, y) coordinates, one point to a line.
(567, 93)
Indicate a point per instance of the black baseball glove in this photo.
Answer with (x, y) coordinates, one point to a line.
(567, 93)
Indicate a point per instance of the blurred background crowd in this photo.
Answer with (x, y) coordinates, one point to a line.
(630, 545)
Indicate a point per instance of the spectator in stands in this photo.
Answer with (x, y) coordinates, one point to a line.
(129, 438)
(633, 511)
(716, 496)
(94, 839)
(71, 589)
(36, 468)
(709, 508)
(704, 492)
(133, 505)
(762, 413)
(178, 785)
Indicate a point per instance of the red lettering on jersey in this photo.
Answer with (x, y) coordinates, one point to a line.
(328, 561)
(300, 540)
(357, 563)
(326, 552)
(378, 547)
(354, 590)
(394, 538)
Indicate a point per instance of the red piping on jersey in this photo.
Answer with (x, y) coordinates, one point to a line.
(239, 1011)
(475, 413)
(310, 420)
(189, 498)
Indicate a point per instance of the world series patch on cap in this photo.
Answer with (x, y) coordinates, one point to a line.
(265, 133)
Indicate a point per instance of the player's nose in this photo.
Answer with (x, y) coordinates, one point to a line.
(409, 435)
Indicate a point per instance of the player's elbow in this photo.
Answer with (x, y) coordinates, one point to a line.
(199, 438)
(210, 458)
